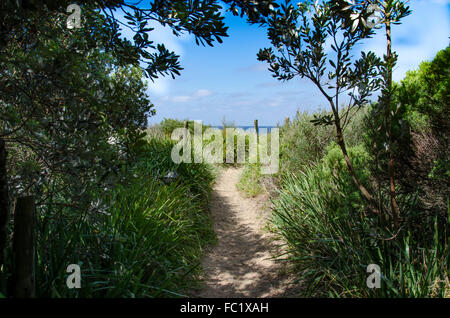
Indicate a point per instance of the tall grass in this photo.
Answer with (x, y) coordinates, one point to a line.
(249, 181)
(145, 241)
(332, 241)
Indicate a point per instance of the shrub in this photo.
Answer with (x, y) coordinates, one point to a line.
(334, 167)
(420, 135)
(249, 181)
(168, 125)
(302, 143)
(319, 212)
(332, 240)
(144, 238)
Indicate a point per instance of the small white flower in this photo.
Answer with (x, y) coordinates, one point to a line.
(355, 18)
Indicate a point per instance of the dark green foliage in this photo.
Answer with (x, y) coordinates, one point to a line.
(332, 239)
(199, 18)
(424, 95)
(334, 167)
(420, 135)
(68, 115)
(73, 110)
(145, 239)
(202, 19)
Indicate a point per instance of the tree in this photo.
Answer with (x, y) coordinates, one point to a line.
(65, 92)
(19, 21)
(423, 98)
(299, 36)
(390, 12)
(58, 111)
(427, 90)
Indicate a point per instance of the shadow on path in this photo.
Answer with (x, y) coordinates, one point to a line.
(241, 264)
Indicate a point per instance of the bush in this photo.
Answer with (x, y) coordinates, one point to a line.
(249, 181)
(331, 234)
(334, 167)
(168, 125)
(423, 97)
(142, 239)
(420, 135)
(303, 144)
(332, 239)
(424, 93)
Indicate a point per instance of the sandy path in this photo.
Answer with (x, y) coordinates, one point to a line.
(241, 264)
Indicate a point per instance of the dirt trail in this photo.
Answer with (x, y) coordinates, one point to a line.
(241, 264)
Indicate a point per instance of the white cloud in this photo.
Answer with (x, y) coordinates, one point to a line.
(202, 93)
(164, 35)
(198, 94)
(181, 99)
(160, 35)
(159, 87)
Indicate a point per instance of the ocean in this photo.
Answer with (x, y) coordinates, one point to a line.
(269, 128)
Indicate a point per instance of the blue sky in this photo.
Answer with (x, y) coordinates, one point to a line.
(227, 80)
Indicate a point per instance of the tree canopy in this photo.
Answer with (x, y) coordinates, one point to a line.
(73, 103)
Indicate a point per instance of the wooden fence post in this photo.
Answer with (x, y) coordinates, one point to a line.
(24, 248)
(256, 128)
(186, 133)
(257, 139)
(287, 121)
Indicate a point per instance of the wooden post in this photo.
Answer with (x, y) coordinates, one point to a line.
(257, 139)
(186, 134)
(287, 122)
(186, 127)
(24, 248)
(4, 201)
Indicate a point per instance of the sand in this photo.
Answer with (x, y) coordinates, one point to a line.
(242, 263)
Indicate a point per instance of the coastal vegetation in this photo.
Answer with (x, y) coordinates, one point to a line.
(85, 181)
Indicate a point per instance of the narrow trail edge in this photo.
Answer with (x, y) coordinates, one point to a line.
(242, 262)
